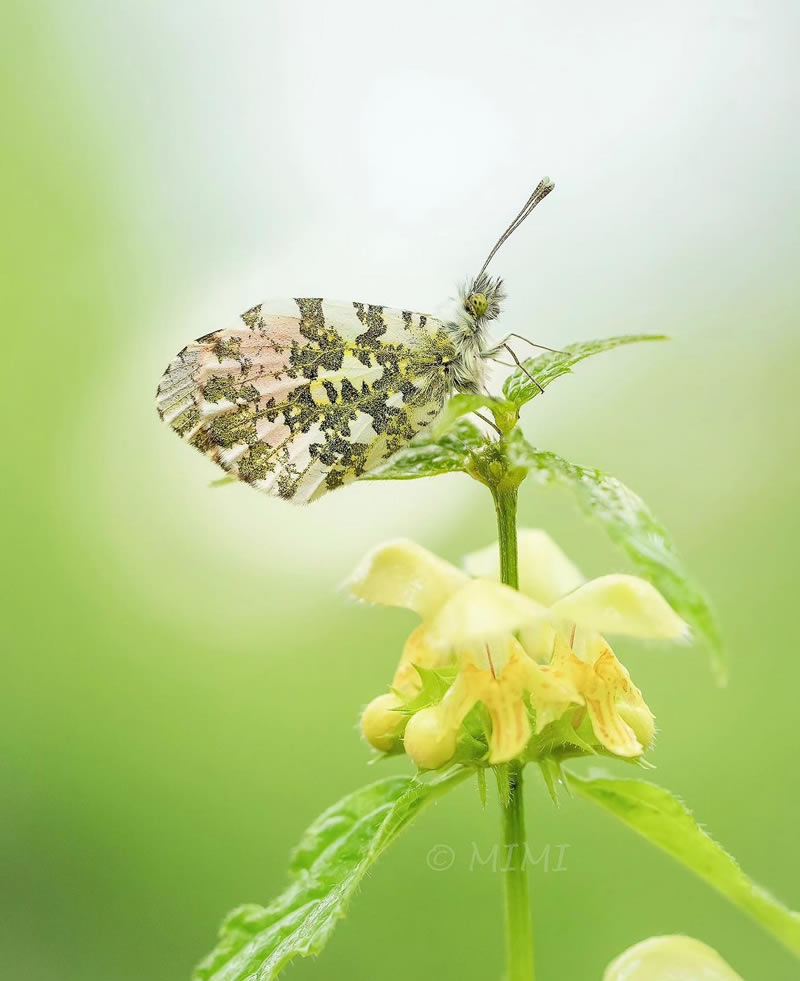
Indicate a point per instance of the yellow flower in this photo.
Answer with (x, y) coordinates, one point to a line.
(678, 957)
(541, 645)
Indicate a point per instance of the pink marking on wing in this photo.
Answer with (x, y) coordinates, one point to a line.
(278, 389)
(272, 433)
(282, 330)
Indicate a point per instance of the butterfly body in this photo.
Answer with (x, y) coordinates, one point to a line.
(301, 396)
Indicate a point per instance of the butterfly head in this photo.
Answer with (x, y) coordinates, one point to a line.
(477, 304)
(482, 299)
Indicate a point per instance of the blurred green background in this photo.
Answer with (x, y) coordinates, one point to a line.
(183, 676)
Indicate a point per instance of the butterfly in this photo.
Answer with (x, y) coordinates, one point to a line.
(301, 396)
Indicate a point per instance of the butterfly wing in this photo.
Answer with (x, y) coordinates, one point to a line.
(302, 396)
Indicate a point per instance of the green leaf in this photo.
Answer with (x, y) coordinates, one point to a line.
(427, 456)
(506, 414)
(545, 368)
(665, 821)
(461, 405)
(336, 852)
(631, 525)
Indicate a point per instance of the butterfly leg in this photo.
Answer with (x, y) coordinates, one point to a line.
(544, 347)
(522, 367)
(490, 422)
(492, 351)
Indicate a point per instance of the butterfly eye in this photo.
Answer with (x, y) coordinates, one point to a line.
(477, 304)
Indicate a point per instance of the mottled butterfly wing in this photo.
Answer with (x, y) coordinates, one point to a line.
(302, 396)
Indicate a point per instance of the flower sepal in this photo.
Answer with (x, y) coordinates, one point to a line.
(434, 685)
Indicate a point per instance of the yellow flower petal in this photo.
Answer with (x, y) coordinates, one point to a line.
(639, 718)
(606, 686)
(630, 705)
(402, 573)
(609, 727)
(621, 720)
(458, 700)
(481, 612)
(621, 605)
(674, 958)
(545, 572)
(538, 640)
(503, 697)
(553, 688)
(489, 655)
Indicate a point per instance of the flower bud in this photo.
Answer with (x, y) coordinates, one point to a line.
(669, 957)
(428, 741)
(640, 719)
(381, 724)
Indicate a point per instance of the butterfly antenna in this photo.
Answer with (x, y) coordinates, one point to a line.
(543, 188)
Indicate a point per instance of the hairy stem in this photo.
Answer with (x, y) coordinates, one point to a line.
(519, 931)
(505, 506)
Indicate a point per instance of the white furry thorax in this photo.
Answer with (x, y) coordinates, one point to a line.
(468, 332)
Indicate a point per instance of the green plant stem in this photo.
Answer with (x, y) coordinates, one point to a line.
(519, 931)
(505, 506)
